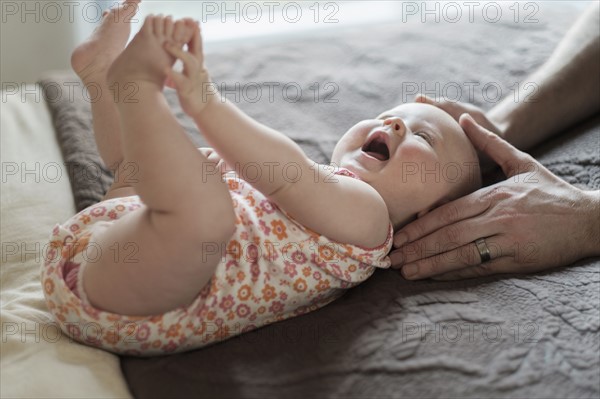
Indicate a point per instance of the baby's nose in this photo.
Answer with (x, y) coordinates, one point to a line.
(397, 125)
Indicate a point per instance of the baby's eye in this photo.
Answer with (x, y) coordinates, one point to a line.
(425, 137)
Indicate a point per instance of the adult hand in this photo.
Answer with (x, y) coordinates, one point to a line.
(457, 108)
(531, 221)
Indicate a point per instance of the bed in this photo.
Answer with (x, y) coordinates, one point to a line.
(498, 336)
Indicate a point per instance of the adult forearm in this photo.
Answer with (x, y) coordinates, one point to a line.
(567, 88)
(591, 208)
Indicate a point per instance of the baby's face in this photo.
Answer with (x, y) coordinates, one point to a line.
(415, 155)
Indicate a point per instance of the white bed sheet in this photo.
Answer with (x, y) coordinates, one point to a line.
(35, 359)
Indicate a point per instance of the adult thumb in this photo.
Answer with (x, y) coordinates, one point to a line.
(511, 160)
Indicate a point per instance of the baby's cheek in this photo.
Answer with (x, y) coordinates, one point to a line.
(420, 168)
(416, 154)
(352, 140)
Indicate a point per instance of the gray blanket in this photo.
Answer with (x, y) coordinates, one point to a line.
(500, 336)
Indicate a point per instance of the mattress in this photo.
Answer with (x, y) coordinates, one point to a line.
(499, 336)
(36, 360)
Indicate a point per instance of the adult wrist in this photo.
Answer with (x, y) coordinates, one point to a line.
(502, 116)
(512, 123)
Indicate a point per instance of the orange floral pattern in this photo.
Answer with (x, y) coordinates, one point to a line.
(273, 268)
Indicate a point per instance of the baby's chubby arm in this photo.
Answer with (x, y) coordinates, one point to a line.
(341, 208)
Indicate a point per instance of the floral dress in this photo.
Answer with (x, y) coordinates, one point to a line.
(273, 268)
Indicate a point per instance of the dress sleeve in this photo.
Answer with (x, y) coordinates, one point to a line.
(348, 262)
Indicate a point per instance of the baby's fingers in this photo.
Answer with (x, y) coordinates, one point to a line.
(195, 45)
(169, 82)
(176, 80)
(189, 61)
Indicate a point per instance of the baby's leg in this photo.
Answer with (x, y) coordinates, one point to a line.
(91, 61)
(187, 214)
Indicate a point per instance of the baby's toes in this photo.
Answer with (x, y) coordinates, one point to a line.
(190, 26)
(159, 27)
(179, 32)
(148, 26)
(129, 8)
(169, 27)
(184, 32)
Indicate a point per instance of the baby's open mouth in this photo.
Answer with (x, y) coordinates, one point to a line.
(377, 147)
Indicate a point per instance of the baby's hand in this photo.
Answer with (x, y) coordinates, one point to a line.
(194, 87)
(219, 162)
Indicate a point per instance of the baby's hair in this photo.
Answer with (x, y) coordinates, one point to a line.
(471, 179)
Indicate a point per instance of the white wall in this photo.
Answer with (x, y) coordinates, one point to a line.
(37, 36)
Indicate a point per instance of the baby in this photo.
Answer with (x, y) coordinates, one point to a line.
(179, 257)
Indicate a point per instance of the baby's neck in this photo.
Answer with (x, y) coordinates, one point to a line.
(398, 224)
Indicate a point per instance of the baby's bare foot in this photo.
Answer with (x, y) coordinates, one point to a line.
(92, 58)
(145, 59)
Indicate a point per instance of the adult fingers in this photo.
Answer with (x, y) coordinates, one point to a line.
(444, 105)
(422, 98)
(459, 258)
(511, 160)
(453, 108)
(443, 240)
(444, 215)
(494, 266)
